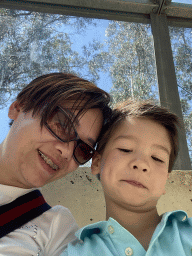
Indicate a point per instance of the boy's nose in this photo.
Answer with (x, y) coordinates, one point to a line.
(136, 167)
(140, 163)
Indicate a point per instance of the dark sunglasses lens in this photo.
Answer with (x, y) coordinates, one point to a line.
(61, 125)
(83, 153)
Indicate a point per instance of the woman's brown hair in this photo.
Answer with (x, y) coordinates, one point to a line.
(46, 92)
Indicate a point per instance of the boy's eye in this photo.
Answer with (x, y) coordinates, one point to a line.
(124, 150)
(157, 159)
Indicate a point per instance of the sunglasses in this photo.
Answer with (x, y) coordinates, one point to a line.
(60, 125)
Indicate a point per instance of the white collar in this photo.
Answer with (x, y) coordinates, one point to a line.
(10, 193)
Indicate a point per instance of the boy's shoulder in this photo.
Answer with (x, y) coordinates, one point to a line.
(104, 228)
(171, 237)
(178, 217)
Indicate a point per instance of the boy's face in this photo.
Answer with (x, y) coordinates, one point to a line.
(139, 151)
(19, 153)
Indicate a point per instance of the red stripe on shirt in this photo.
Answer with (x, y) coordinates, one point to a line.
(20, 210)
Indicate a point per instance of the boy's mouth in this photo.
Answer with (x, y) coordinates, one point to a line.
(48, 161)
(135, 183)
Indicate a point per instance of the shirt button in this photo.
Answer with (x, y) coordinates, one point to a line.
(111, 229)
(128, 251)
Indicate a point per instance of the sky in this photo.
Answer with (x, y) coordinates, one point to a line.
(183, 1)
(4, 128)
(78, 42)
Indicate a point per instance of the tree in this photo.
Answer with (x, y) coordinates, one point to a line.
(33, 44)
(133, 70)
(181, 39)
(128, 54)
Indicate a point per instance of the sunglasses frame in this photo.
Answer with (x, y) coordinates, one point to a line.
(77, 138)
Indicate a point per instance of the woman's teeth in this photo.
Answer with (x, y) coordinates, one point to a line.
(48, 161)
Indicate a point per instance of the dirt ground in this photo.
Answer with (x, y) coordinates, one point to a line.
(82, 193)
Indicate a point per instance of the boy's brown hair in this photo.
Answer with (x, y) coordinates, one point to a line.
(142, 109)
(46, 92)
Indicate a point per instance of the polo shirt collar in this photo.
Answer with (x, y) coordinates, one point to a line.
(178, 214)
(104, 227)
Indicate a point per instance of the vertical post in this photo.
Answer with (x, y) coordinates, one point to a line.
(168, 90)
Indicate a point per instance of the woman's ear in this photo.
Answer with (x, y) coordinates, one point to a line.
(96, 164)
(14, 110)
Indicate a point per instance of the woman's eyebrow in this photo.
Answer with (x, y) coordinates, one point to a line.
(71, 115)
(92, 141)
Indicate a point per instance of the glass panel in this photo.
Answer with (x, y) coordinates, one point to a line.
(181, 40)
(117, 56)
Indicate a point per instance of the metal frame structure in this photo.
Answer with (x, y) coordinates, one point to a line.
(122, 10)
(159, 13)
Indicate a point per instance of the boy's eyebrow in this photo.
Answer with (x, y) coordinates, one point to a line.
(126, 137)
(134, 138)
(161, 147)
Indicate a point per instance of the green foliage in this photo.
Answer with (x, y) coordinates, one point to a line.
(181, 39)
(33, 44)
(128, 54)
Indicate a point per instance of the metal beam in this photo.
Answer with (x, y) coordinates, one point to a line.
(81, 10)
(142, 11)
(168, 89)
(179, 22)
(179, 10)
(122, 10)
(138, 6)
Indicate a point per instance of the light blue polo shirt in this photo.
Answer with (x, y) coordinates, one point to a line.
(172, 237)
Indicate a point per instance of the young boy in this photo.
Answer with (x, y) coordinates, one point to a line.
(134, 158)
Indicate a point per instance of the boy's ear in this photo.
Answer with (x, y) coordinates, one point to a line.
(95, 166)
(14, 110)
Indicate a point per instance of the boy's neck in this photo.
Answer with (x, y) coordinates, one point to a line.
(140, 224)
